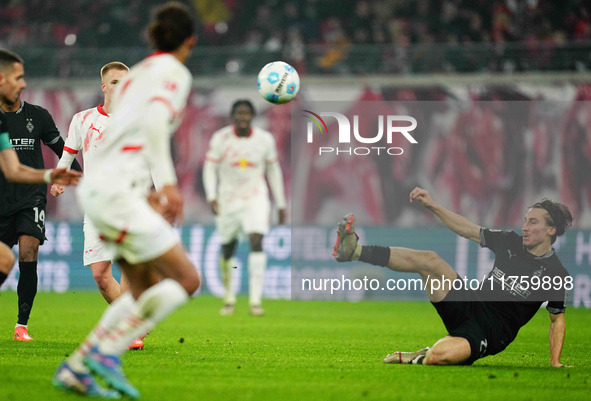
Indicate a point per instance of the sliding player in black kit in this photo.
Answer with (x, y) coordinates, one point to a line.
(22, 207)
(485, 319)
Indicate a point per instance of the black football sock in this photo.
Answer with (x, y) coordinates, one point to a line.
(26, 290)
(375, 255)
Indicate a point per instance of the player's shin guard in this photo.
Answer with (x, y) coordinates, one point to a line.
(115, 313)
(226, 271)
(26, 289)
(156, 303)
(257, 263)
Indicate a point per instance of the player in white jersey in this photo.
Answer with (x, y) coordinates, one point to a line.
(238, 159)
(85, 134)
(147, 108)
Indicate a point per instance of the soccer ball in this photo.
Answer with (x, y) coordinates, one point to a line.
(278, 82)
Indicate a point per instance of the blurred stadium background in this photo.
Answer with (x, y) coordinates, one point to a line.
(474, 159)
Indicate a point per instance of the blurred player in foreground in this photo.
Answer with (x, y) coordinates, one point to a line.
(22, 207)
(147, 109)
(238, 157)
(86, 133)
(485, 321)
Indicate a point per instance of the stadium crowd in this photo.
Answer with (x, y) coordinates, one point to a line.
(272, 24)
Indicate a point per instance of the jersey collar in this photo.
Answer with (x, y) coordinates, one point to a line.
(158, 53)
(247, 136)
(101, 110)
(544, 256)
(19, 109)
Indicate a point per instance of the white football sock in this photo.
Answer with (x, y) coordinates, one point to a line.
(115, 312)
(156, 303)
(226, 271)
(257, 263)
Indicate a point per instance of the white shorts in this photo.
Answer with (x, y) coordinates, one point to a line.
(129, 227)
(94, 248)
(250, 217)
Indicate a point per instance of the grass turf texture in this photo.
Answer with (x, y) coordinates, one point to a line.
(298, 351)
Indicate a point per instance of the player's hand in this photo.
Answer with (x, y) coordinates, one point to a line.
(57, 189)
(214, 207)
(64, 177)
(422, 195)
(282, 216)
(168, 202)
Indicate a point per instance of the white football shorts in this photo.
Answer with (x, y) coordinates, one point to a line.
(94, 248)
(130, 228)
(251, 217)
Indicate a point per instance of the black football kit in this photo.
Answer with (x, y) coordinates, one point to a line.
(490, 317)
(22, 206)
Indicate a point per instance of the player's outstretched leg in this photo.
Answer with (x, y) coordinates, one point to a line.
(407, 357)
(109, 368)
(428, 264)
(346, 246)
(68, 379)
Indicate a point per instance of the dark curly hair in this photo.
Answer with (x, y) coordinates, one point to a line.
(241, 102)
(558, 216)
(172, 23)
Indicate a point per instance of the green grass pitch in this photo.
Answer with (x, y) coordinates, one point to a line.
(299, 351)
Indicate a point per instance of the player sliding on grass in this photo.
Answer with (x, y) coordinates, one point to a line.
(147, 109)
(480, 322)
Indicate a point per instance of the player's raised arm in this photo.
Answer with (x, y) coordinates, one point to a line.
(458, 224)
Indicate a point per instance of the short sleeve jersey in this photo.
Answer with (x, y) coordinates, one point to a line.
(241, 162)
(512, 302)
(124, 157)
(86, 133)
(29, 126)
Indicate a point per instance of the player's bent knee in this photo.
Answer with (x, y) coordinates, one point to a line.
(430, 256)
(427, 260)
(448, 351)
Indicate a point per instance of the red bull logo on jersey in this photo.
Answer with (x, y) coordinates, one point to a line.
(242, 164)
(388, 127)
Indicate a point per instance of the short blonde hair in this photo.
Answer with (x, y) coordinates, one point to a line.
(113, 65)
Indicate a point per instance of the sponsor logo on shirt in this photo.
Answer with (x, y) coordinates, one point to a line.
(22, 143)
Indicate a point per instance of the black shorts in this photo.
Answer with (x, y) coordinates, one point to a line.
(29, 221)
(465, 316)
